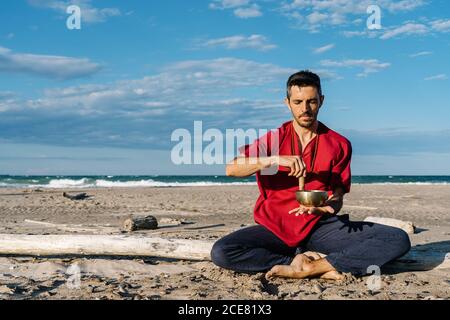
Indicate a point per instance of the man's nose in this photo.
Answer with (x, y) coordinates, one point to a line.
(305, 107)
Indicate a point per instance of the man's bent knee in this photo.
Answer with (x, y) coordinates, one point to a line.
(219, 255)
(403, 243)
(399, 242)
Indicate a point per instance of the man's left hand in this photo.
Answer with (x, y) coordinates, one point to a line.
(312, 210)
(331, 207)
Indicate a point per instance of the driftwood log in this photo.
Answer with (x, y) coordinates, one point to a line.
(104, 245)
(76, 197)
(421, 257)
(140, 223)
(406, 226)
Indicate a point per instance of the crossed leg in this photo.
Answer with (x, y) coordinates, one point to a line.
(306, 265)
(351, 247)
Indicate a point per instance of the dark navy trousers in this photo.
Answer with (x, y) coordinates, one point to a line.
(350, 246)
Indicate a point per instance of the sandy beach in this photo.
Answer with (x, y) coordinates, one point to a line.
(206, 213)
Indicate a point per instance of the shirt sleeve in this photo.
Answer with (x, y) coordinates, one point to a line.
(259, 148)
(341, 175)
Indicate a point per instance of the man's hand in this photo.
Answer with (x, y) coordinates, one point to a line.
(313, 210)
(295, 163)
(332, 206)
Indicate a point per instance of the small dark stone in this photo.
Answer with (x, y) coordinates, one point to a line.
(122, 289)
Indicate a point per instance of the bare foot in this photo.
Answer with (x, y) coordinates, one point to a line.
(331, 275)
(294, 270)
(314, 255)
(303, 267)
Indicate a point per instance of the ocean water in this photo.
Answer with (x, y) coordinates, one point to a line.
(7, 181)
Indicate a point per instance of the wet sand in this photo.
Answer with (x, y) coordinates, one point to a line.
(208, 213)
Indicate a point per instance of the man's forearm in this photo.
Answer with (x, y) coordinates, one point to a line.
(245, 167)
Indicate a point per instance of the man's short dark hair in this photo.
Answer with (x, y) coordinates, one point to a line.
(302, 79)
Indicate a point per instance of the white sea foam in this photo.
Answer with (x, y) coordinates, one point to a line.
(103, 183)
(89, 183)
(125, 184)
(152, 183)
(424, 183)
(69, 183)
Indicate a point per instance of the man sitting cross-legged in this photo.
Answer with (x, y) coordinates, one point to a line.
(288, 238)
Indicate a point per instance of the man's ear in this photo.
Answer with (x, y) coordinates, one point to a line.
(322, 99)
(286, 102)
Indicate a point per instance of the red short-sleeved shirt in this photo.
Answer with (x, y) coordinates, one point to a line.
(277, 192)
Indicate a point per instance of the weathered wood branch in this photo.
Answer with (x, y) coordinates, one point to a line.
(421, 257)
(107, 245)
(407, 226)
(76, 197)
(140, 223)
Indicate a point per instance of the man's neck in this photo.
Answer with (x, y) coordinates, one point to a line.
(306, 134)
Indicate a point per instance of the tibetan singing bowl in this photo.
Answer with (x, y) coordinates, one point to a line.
(313, 198)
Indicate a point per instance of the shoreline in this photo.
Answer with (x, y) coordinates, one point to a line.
(237, 184)
(157, 181)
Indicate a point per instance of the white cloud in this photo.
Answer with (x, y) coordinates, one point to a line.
(326, 74)
(6, 95)
(228, 4)
(228, 72)
(89, 13)
(420, 54)
(404, 5)
(368, 65)
(354, 6)
(255, 41)
(406, 29)
(8, 101)
(248, 12)
(437, 77)
(243, 9)
(313, 15)
(58, 67)
(365, 33)
(325, 48)
(412, 28)
(141, 112)
(441, 25)
(316, 17)
(316, 14)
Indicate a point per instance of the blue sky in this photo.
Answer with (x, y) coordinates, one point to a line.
(105, 99)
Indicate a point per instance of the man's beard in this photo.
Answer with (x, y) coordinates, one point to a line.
(309, 123)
